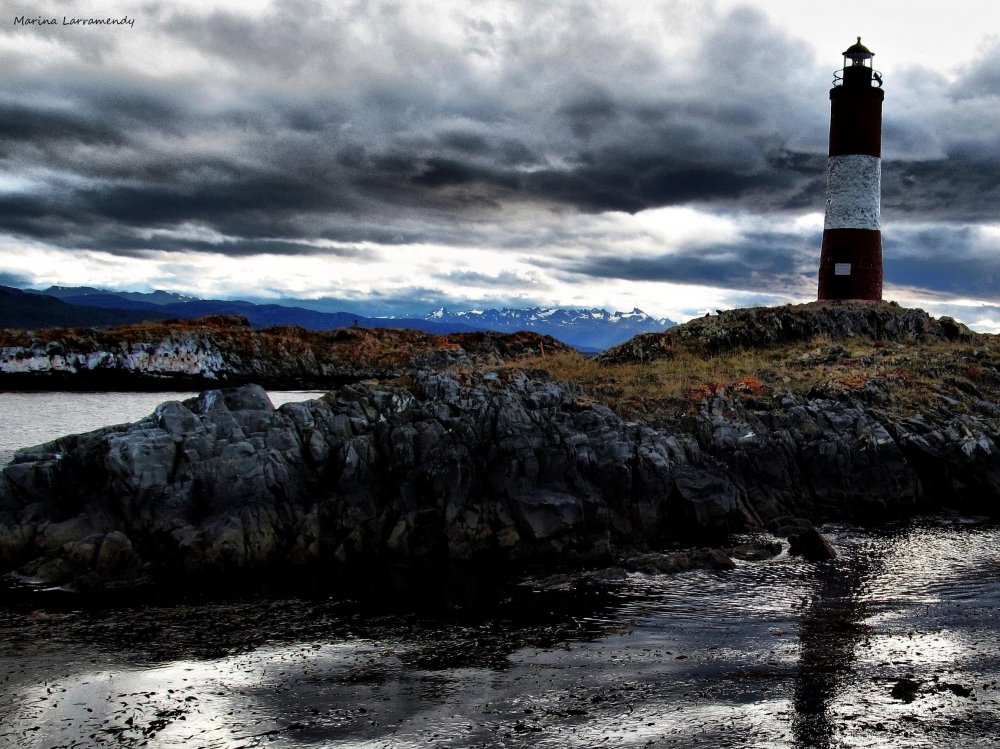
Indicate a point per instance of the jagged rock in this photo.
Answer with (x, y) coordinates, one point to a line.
(547, 513)
(716, 559)
(786, 525)
(819, 458)
(803, 538)
(115, 557)
(491, 465)
(14, 542)
(755, 552)
(955, 455)
(680, 561)
(467, 468)
(811, 544)
(954, 330)
(905, 689)
(93, 559)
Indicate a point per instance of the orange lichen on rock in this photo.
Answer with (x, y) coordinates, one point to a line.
(703, 391)
(901, 375)
(974, 372)
(748, 385)
(851, 380)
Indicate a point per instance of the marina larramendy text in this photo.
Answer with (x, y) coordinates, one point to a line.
(39, 21)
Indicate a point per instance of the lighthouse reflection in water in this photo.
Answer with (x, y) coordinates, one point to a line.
(892, 644)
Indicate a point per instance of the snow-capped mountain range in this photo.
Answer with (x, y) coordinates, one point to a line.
(586, 329)
(589, 330)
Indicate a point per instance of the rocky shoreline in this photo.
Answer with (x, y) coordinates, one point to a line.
(225, 350)
(493, 465)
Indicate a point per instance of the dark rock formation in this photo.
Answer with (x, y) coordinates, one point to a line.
(905, 689)
(803, 538)
(755, 552)
(817, 458)
(455, 468)
(486, 466)
(811, 544)
(680, 561)
(765, 326)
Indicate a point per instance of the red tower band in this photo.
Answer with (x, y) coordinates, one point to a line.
(850, 265)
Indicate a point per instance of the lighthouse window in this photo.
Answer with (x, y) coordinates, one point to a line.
(841, 269)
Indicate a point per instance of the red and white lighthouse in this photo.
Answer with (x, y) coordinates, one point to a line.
(850, 265)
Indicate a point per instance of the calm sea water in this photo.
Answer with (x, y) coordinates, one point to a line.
(894, 644)
(32, 418)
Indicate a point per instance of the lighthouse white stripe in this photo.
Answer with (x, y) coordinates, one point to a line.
(853, 192)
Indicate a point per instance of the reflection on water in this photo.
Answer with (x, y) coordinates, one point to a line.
(28, 419)
(833, 626)
(892, 644)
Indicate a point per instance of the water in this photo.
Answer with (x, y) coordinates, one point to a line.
(28, 419)
(893, 644)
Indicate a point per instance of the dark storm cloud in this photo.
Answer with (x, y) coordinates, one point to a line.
(961, 188)
(503, 280)
(22, 125)
(950, 260)
(50, 114)
(351, 123)
(943, 259)
(310, 144)
(406, 302)
(14, 279)
(778, 262)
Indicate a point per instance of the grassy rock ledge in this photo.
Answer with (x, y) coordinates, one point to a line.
(770, 326)
(755, 419)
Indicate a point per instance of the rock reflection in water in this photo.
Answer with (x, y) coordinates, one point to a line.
(925, 670)
(892, 644)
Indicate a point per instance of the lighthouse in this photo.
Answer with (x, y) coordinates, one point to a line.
(850, 265)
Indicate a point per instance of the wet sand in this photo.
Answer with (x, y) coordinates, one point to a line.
(894, 644)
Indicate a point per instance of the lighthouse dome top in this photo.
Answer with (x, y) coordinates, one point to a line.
(858, 52)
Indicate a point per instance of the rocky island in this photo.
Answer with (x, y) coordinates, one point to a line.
(227, 350)
(496, 447)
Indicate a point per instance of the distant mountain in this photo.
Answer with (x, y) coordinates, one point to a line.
(587, 330)
(110, 301)
(72, 294)
(263, 315)
(259, 315)
(25, 311)
(79, 307)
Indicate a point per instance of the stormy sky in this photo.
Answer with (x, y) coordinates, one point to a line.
(399, 156)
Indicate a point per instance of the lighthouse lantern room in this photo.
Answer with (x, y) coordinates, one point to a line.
(851, 257)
